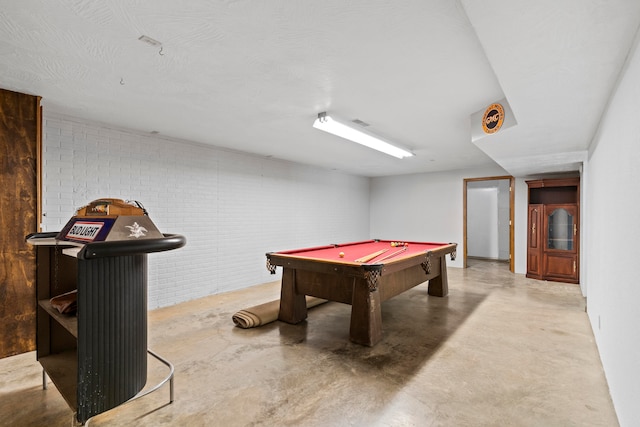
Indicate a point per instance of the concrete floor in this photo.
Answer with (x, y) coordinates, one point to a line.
(500, 350)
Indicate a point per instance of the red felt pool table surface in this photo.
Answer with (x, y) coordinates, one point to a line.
(370, 272)
(356, 250)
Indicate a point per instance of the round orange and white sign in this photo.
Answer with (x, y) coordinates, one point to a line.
(493, 118)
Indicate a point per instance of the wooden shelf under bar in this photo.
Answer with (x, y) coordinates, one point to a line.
(62, 368)
(69, 322)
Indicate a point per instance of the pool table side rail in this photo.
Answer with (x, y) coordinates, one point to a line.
(320, 265)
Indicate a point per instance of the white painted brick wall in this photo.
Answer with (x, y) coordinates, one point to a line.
(231, 207)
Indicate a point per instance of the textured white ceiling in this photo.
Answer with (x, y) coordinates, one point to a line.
(252, 75)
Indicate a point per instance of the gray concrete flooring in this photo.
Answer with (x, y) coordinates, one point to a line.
(500, 350)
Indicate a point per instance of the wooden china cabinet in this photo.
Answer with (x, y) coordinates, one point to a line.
(553, 237)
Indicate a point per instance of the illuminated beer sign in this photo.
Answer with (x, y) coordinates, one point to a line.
(493, 118)
(84, 230)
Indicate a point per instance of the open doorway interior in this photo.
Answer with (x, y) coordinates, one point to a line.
(488, 219)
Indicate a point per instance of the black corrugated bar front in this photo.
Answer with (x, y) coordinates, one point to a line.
(112, 327)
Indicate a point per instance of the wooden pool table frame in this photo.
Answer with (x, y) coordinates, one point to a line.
(363, 286)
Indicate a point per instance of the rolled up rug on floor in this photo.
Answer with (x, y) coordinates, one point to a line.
(262, 314)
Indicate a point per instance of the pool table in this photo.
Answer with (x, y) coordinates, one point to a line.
(363, 274)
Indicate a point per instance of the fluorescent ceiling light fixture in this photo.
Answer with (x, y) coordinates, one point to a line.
(356, 133)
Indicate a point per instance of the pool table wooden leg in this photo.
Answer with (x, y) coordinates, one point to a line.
(439, 285)
(293, 306)
(366, 314)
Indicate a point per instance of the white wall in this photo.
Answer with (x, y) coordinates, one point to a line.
(613, 228)
(423, 207)
(231, 207)
(482, 222)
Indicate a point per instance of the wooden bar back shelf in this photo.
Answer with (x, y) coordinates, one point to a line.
(553, 238)
(97, 359)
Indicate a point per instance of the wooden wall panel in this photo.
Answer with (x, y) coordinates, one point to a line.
(19, 140)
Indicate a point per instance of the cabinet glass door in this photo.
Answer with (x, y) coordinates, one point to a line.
(561, 229)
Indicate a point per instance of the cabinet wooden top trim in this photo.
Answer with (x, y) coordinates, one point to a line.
(555, 182)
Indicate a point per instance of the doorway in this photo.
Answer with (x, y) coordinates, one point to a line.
(488, 217)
